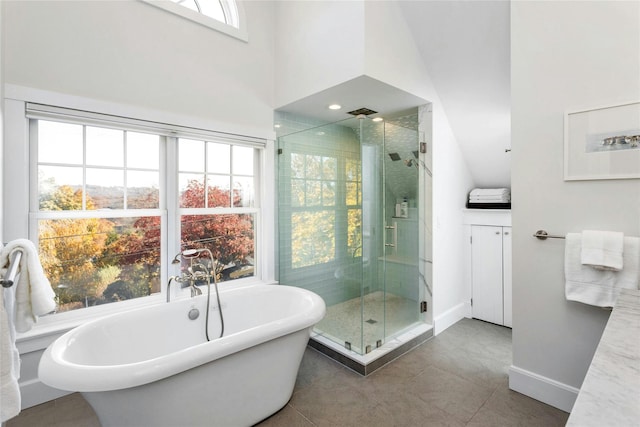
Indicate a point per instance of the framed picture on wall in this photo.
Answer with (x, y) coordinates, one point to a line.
(602, 143)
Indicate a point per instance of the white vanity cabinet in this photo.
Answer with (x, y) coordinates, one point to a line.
(490, 264)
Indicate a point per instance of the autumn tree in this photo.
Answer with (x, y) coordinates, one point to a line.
(229, 237)
(69, 246)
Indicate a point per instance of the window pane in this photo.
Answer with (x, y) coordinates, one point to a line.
(143, 190)
(219, 192)
(210, 8)
(353, 170)
(218, 158)
(352, 193)
(328, 193)
(93, 261)
(297, 165)
(105, 147)
(329, 168)
(313, 238)
(354, 230)
(314, 193)
(231, 239)
(243, 192)
(59, 143)
(191, 188)
(105, 189)
(297, 192)
(243, 158)
(59, 188)
(190, 155)
(213, 9)
(143, 150)
(314, 167)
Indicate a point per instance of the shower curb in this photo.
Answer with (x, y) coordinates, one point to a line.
(366, 369)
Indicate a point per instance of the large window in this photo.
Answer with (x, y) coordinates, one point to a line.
(97, 215)
(217, 203)
(326, 194)
(106, 199)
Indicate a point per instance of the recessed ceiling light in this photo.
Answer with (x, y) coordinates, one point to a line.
(320, 133)
(377, 119)
(277, 125)
(335, 107)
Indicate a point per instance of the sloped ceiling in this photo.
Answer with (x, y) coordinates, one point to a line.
(466, 49)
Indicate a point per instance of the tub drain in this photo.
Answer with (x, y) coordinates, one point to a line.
(194, 313)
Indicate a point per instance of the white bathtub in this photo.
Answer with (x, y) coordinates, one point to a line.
(154, 367)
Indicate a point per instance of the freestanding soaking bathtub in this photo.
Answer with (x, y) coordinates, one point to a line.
(154, 367)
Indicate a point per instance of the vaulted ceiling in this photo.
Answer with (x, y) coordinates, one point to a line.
(466, 49)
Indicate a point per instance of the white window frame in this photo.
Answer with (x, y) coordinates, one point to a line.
(17, 168)
(233, 10)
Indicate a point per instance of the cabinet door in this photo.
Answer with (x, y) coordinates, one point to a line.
(506, 274)
(486, 273)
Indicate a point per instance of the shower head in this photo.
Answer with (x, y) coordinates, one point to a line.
(362, 112)
(394, 156)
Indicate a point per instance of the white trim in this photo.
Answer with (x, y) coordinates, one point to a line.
(450, 317)
(40, 96)
(89, 118)
(34, 392)
(236, 29)
(551, 392)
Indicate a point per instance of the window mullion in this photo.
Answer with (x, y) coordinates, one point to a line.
(172, 201)
(84, 167)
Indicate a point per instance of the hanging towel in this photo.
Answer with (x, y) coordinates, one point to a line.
(33, 294)
(10, 401)
(600, 288)
(602, 249)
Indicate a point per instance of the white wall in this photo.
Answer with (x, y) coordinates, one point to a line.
(564, 55)
(131, 52)
(319, 44)
(1, 121)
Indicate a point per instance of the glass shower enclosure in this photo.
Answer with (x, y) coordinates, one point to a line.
(348, 220)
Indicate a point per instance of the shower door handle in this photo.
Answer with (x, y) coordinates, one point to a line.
(394, 229)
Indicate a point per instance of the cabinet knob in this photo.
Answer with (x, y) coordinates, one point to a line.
(506, 233)
(497, 232)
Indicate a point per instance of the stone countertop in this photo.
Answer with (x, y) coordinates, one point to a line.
(610, 393)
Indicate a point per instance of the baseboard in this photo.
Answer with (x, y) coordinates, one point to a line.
(541, 388)
(34, 393)
(449, 318)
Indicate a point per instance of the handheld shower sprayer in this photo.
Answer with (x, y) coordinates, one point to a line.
(198, 272)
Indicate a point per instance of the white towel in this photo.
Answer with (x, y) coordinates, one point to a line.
(33, 294)
(490, 199)
(599, 287)
(602, 249)
(490, 192)
(10, 400)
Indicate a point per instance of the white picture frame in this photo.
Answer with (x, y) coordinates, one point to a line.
(602, 142)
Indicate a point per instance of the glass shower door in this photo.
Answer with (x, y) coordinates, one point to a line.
(399, 249)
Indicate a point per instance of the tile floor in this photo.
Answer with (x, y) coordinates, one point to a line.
(382, 312)
(458, 378)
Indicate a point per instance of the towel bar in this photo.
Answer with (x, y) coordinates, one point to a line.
(14, 263)
(543, 235)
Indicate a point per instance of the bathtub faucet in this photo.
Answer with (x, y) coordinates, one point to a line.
(196, 272)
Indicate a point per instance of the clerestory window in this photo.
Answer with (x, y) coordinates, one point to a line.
(225, 16)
